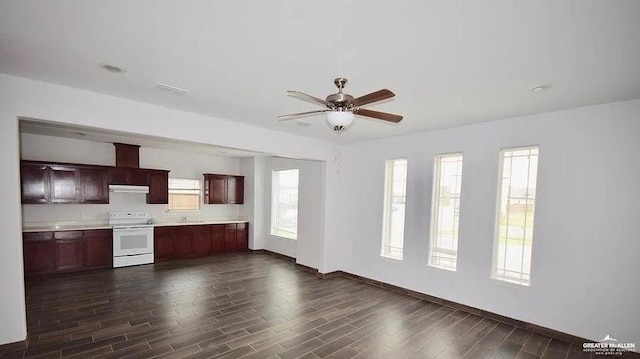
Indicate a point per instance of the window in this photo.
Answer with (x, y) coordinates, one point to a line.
(284, 203)
(395, 191)
(516, 204)
(447, 184)
(184, 194)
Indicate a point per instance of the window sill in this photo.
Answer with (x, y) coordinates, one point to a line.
(390, 259)
(442, 269)
(279, 236)
(510, 284)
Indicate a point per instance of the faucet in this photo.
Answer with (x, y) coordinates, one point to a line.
(185, 219)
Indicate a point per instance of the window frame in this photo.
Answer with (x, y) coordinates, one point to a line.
(435, 194)
(200, 196)
(388, 208)
(496, 237)
(275, 195)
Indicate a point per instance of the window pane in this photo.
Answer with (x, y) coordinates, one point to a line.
(516, 207)
(184, 194)
(447, 185)
(284, 203)
(394, 208)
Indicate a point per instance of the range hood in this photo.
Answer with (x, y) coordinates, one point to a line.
(120, 188)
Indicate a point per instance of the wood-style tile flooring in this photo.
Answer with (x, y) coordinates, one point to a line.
(253, 306)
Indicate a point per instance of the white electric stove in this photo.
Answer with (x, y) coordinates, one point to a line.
(132, 238)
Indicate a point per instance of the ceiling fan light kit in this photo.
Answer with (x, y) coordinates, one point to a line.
(339, 120)
(341, 108)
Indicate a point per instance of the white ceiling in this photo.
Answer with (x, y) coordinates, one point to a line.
(450, 62)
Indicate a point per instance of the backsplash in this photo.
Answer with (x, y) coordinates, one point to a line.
(119, 202)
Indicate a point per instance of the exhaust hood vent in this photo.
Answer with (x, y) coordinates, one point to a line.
(128, 189)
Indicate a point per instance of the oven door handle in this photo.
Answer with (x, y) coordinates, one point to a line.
(130, 228)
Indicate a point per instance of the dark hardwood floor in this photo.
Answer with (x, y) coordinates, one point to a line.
(253, 306)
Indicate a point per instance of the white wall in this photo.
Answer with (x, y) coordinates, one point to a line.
(585, 271)
(252, 168)
(34, 99)
(181, 165)
(311, 189)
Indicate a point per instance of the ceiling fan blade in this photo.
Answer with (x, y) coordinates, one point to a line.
(372, 97)
(309, 98)
(299, 114)
(379, 115)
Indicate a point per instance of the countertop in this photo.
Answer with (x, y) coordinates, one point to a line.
(89, 225)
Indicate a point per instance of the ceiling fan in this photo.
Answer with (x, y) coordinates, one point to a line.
(341, 107)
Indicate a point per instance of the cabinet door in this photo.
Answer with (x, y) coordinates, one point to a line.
(69, 251)
(38, 253)
(98, 248)
(217, 189)
(164, 242)
(94, 185)
(230, 237)
(217, 238)
(184, 243)
(201, 240)
(63, 184)
(35, 183)
(242, 236)
(235, 189)
(118, 175)
(136, 177)
(158, 187)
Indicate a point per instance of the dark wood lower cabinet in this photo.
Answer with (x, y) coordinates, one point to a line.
(67, 251)
(191, 241)
(201, 240)
(164, 239)
(217, 238)
(98, 249)
(38, 249)
(70, 251)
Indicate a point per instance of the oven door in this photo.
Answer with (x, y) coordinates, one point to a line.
(132, 241)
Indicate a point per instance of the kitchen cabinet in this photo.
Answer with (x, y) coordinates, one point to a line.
(223, 189)
(201, 240)
(230, 237)
(217, 238)
(158, 187)
(38, 250)
(68, 251)
(35, 182)
(98, 248)
(184, 243)
(63, 183)
(164, 239)
(94, 186)
(242, 236)
(128, 176)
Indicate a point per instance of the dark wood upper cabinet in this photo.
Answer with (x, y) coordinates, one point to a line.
(235, 190)
(127, 155)
(63, 184)
(35, 182)
(158, 187)
(94, 185)
(223, 189)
